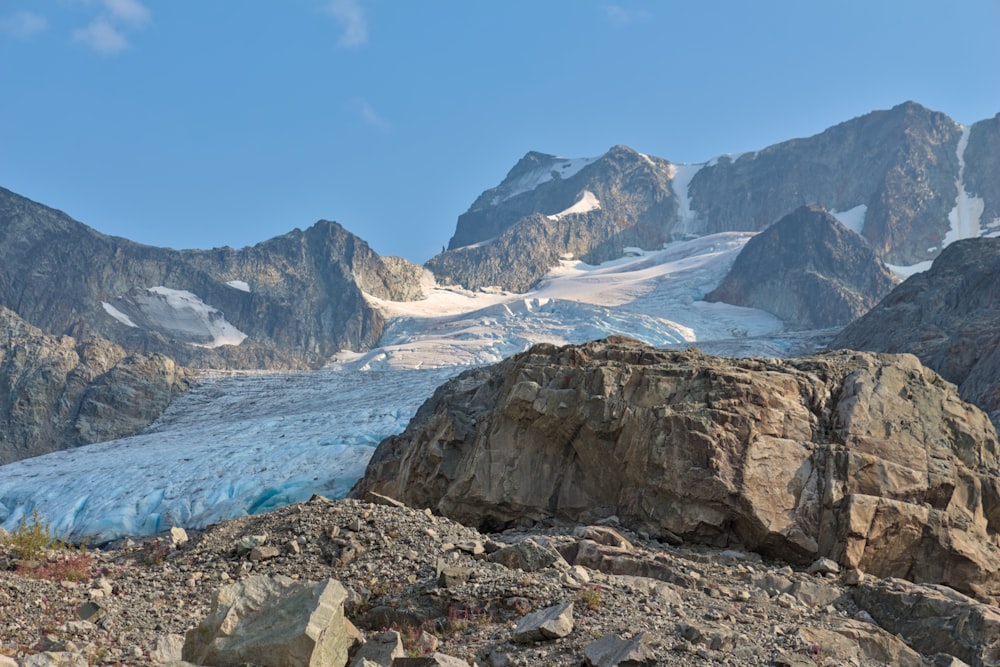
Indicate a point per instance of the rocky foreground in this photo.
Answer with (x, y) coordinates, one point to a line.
(453, 596)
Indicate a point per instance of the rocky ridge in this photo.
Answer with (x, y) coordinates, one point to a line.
(901, 167)
(870, 460)
(809, 270)
(559, 595)
(949, 317)
(289, 302)
(59, 392)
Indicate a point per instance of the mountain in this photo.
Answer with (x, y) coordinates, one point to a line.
(57, 392)
(868, 459)
(948, 316)
(809, 270)
(291, 301)
(908, 179)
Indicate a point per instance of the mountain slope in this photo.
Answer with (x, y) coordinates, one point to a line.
(291, 301)
(949, 317)
(57, 392)
(809, 270)
(912, 180)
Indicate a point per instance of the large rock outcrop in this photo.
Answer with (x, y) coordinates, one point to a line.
(949, 317)
(291, 301)
(869, 459)
(809, 270)
(57, 392)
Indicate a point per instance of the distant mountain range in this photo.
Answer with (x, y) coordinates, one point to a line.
(891, 187)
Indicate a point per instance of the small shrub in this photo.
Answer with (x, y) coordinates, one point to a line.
(591, 597)
(72, 566)
(30, 540)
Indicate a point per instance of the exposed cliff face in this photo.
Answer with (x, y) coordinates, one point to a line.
(871, 460)
(899, 171)
(809, 270)
(291, 301)
(949, 317)
(550, 207)
(57, 392)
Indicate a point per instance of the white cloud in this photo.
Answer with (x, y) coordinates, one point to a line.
(23, 24)
(370, 117)
(101, 36)
(131, 12)
(352, 20)
(620, 16)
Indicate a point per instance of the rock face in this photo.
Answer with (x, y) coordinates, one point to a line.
(949, 317)
(550, 207)
(897, 173)
(870, 460)
(809, 270)
(57, 392)
(291, 301)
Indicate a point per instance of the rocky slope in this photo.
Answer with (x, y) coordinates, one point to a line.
(899, 171)
(809, 270)
(949, 317)
(443, 589)
(288, 302)
(58, 392)
(870, 460)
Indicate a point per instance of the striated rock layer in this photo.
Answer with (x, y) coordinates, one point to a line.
(58, 392)
(871, 460)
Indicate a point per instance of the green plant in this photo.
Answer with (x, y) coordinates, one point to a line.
(591, 597)
(30, 540)
(73, 566)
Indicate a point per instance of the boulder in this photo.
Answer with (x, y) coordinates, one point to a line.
(545, 624)
(272, 621)
(870, 460)
(934, 619)
(381, 649)
(612, 651)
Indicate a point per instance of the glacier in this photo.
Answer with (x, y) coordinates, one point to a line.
(243, 442)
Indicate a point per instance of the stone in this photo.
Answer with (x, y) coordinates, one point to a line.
(609, 537)
(7, 661)
(849, 641)
(793, 660)
(814, 593)
(272, 620)
(178, 536)
(93, 612)
(434, 660)
(452, 576)
(381, 649)
(379, 499)
(773, 583)
(55, 659)
(867, 459)
(934, 619)
(528, 555)
(168, 648)
(615, 651)
(248, 543)
(266, 552)
(823, 565)
(545, 624)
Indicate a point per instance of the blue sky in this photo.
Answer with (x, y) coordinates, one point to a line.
(201, 124)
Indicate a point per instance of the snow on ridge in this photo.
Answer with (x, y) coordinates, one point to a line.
(587, 201)
(965, 217)
(563, 167)
(119, 315)
(852, 218)
(241, 285)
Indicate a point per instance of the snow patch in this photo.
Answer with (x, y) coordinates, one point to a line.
(118, 315)
(852, 218)
(681, 180)
(587, 201)
(186, 316)
(965, 217)
(905, 272)
(241, 285)
(562, 167)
